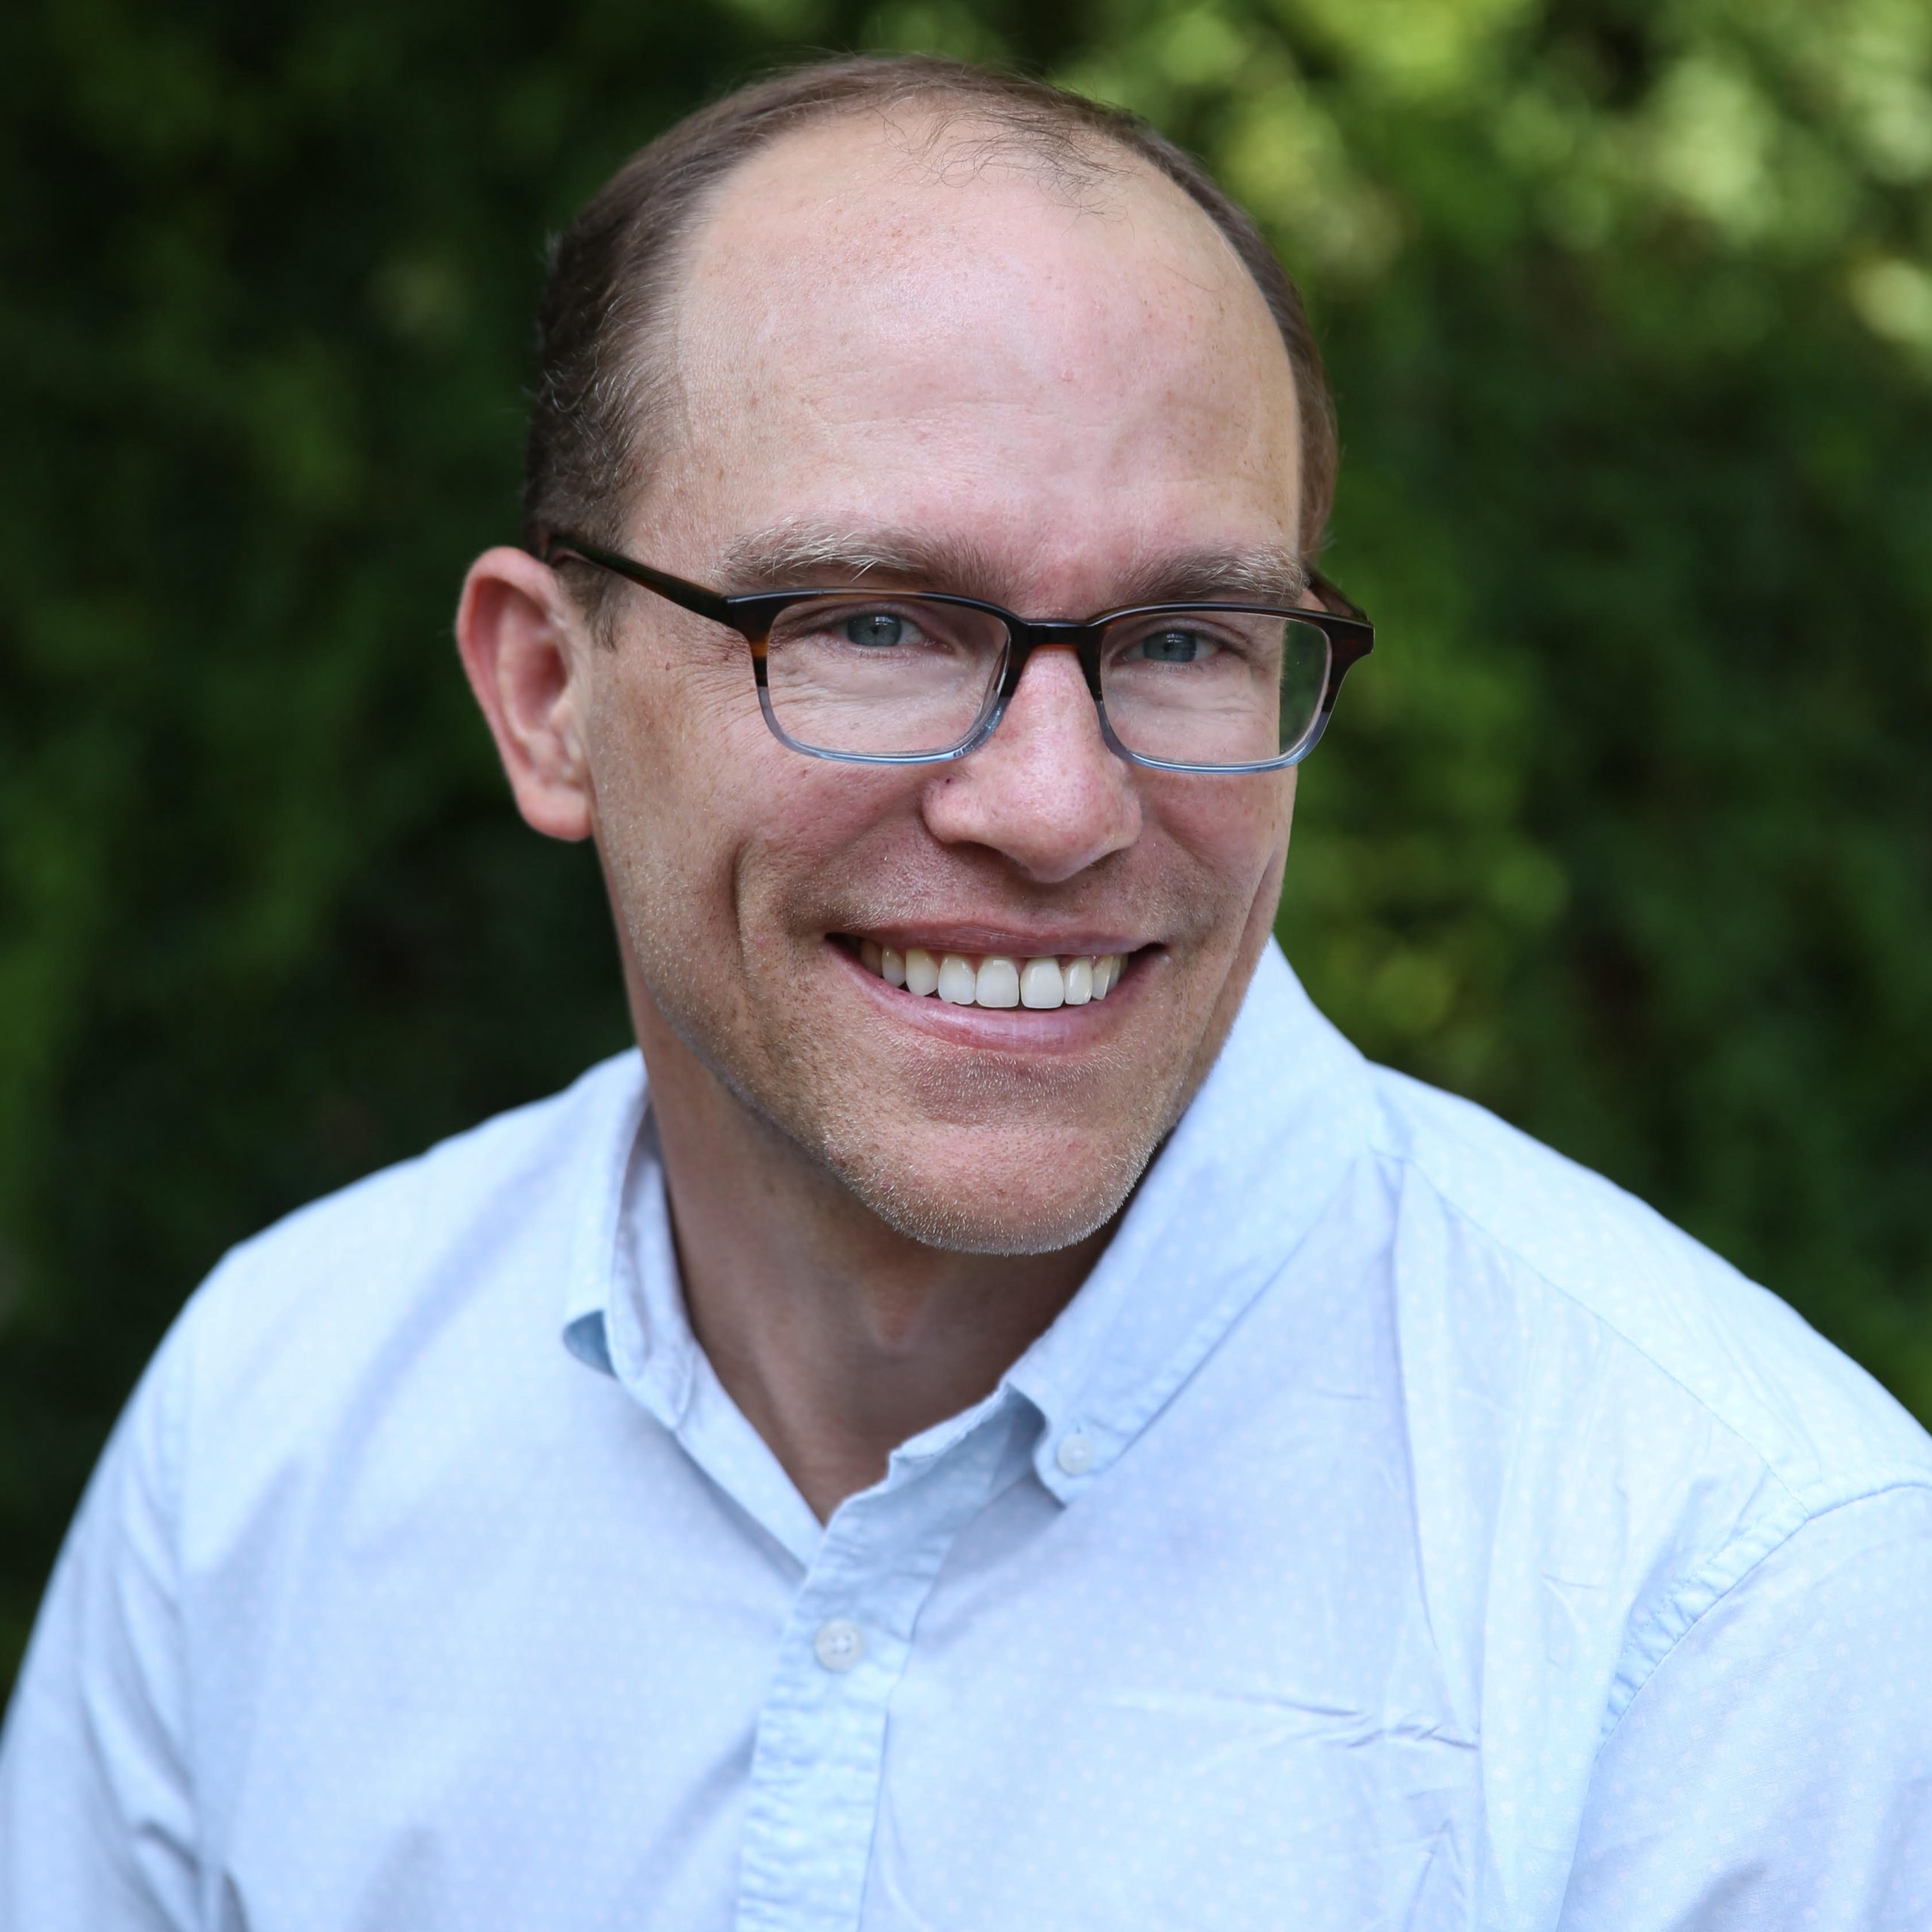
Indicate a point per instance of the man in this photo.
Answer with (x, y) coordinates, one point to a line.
(1044, 1435)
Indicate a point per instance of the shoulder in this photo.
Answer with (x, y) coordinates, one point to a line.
(1592, 1286)
(513, 1161)
(1613, 1440)
(409, 1264)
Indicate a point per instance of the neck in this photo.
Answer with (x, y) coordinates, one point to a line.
(837, 1337)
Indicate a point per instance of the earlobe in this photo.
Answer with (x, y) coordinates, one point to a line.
(513, 632)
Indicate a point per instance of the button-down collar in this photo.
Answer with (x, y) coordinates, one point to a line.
(1282, 1115)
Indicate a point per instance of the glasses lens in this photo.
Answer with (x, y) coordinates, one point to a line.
(884, 677)
(1214, 686)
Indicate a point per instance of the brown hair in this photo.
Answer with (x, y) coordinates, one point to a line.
(602, 372)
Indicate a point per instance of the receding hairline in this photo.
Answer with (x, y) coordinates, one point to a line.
(959, 134)
(956, 133)
(964, 139)
(619, 272)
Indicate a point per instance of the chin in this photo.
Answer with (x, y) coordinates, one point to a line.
(1018, 1204)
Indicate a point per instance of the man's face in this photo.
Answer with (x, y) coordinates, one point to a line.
(1060, 406)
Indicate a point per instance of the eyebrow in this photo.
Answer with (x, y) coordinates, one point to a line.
(805, 554)
(1265, 575)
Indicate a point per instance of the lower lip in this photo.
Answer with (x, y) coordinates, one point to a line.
(1009, 1028)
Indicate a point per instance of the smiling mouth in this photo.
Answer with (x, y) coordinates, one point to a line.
(993, 979)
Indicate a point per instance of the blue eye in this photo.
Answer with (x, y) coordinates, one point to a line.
(875, 629)
(1175, 647)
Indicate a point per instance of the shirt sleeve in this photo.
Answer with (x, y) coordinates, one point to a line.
(95, 1817)
(1775, 1771)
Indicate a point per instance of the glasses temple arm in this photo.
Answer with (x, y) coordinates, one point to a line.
(1333, 599)
(689, 596)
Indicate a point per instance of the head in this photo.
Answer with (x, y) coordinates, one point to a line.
(916, 326)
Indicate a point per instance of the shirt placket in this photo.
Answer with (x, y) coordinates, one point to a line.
(820, 1757)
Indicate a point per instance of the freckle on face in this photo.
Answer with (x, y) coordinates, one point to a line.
(1064, 393)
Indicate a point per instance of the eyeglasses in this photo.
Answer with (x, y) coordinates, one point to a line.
(872, 677)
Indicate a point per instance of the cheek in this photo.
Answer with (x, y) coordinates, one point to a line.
(1234, 829)
(818, 842)
(665, 743)
(709, 825)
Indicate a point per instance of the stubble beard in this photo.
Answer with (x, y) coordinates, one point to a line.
(807, 1102)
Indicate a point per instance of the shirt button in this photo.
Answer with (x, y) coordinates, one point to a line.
(839, 1645)
(1075, 1454)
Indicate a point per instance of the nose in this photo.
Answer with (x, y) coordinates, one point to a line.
(1043, 791)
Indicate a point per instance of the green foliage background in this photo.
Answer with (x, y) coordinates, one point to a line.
(1625, 831)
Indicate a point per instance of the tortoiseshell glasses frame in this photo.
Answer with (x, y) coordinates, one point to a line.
(1347, 633)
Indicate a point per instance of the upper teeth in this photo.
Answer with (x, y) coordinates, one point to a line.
(995, 979)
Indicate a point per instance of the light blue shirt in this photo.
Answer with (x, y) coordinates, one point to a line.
(1401, 1527)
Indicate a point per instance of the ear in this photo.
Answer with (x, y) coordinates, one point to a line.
(521, 649)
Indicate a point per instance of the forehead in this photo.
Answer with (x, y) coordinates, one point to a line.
(923, 319)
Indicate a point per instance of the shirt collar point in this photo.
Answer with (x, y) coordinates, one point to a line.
(585, 1337)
